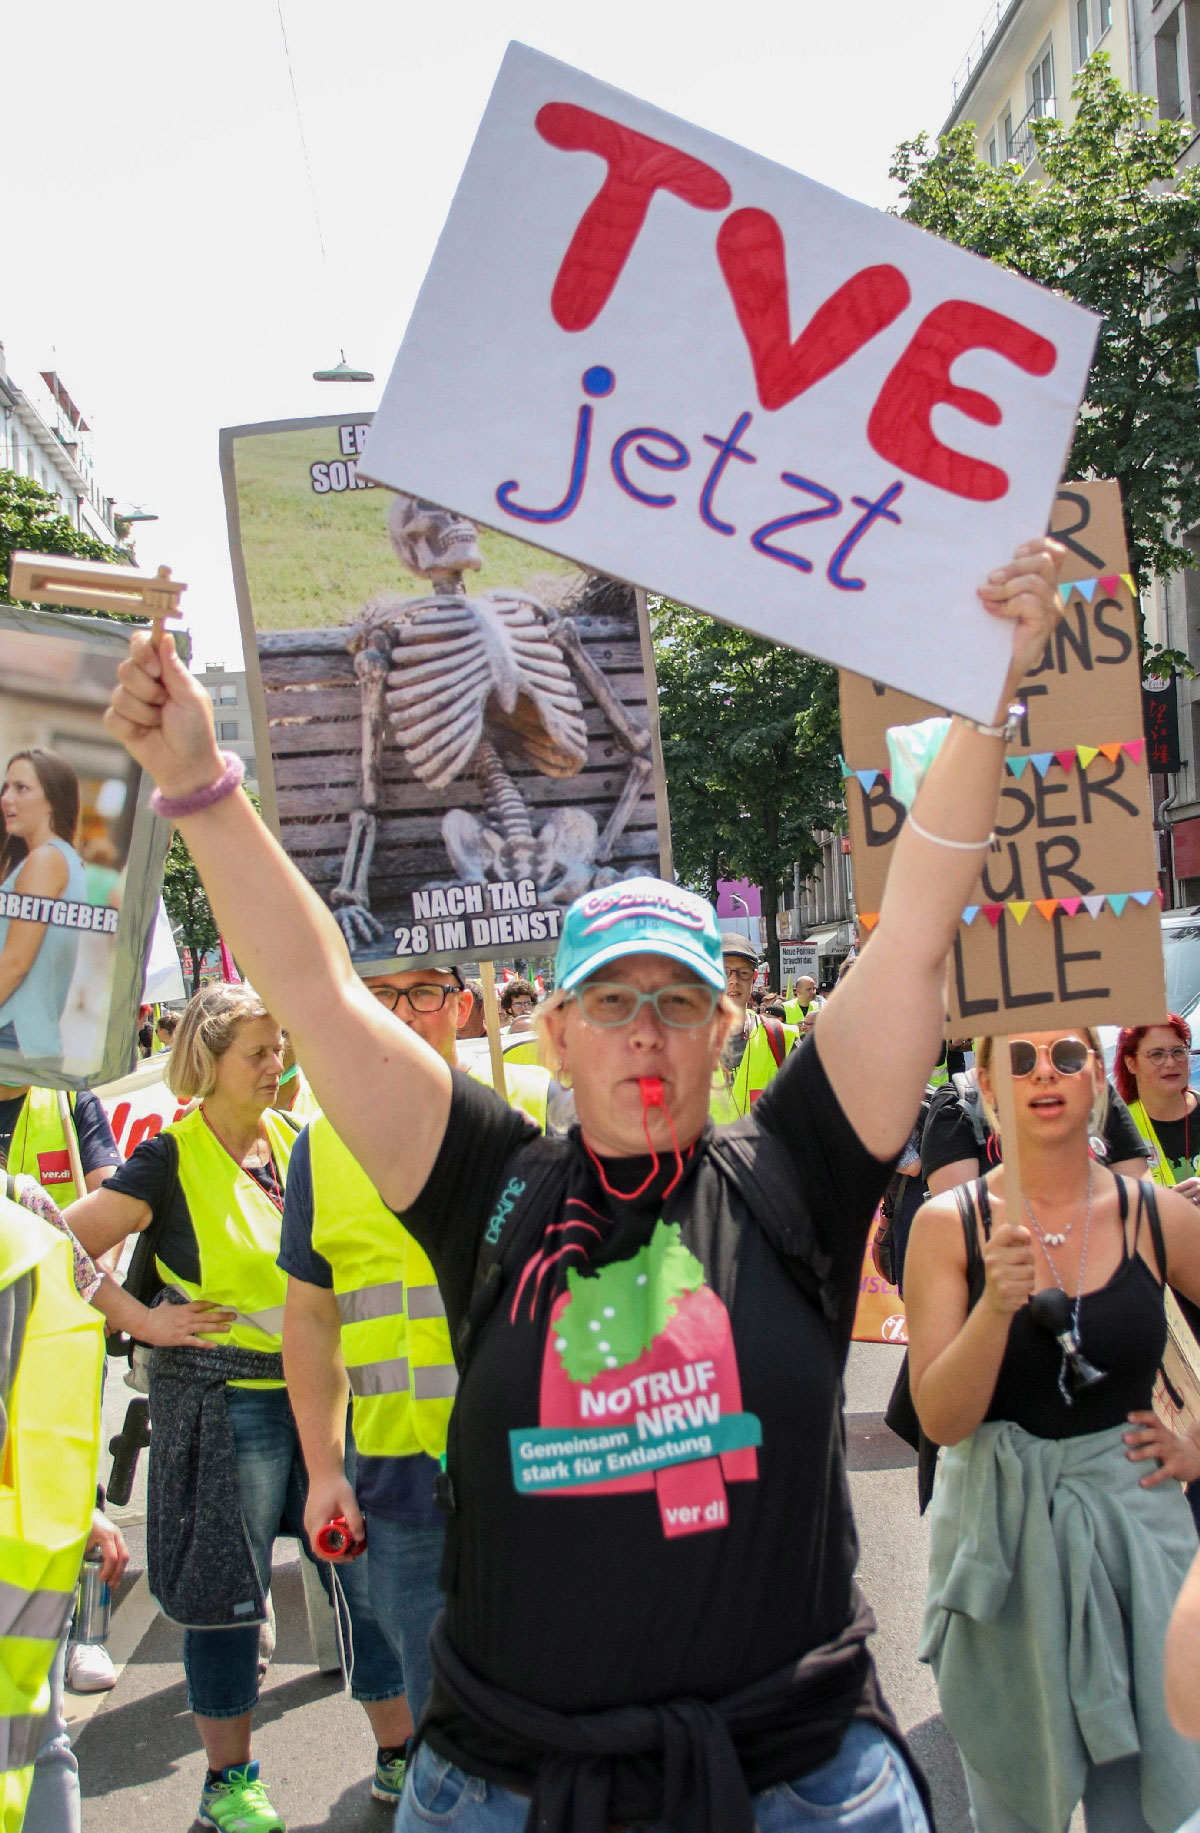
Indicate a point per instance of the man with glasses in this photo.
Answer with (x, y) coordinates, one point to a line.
(518, 1002)
(364, 1320)
(756, 1048)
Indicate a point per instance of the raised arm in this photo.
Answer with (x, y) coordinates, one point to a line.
(881, 1031)
(386, 1092)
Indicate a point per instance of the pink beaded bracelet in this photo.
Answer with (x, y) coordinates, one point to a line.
(177, 808)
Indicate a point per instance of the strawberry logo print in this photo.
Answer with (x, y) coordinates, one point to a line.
(641, 1355)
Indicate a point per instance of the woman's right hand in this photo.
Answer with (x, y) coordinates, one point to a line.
(185, 1326)
(163, 717)
(1009, 1265)
(329, 1497)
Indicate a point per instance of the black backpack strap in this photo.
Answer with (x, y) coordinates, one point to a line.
(967, 1196)
(760, 1169)
(522, 1206)
(1148, 1207)
(142, 1279)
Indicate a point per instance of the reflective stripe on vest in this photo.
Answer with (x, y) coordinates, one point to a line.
(39, 1147)
(1160, 1168)
(47, 1485)
(237, 1229)
(395, 1339)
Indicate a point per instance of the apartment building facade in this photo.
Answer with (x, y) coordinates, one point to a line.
(44, 436)
(226, 688)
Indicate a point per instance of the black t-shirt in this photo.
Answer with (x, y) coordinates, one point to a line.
(147, 1174)
(1179, 1143)
(668, 1335)
(950, 1136)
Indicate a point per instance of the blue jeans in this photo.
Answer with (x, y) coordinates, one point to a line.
(54, 1804)
(404, 1578)
(221, 1665)
(865, 1788)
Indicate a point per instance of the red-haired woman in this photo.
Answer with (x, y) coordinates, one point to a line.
(1151, 1074)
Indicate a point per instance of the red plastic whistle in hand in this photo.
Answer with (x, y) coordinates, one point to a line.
(336, 1541)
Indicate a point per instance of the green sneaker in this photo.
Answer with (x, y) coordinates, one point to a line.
(238, 1803)
(389, 1778)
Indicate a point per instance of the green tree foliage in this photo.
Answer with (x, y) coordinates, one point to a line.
(750, 742)
(187, 906)
(1116, 227)
(32, 521)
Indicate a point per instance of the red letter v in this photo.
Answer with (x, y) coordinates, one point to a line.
(750, 250)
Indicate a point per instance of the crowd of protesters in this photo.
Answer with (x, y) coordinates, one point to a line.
(552, 1384)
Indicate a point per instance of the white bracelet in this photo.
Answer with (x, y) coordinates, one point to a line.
(958, 846)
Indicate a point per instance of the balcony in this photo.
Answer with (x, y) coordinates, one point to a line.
(1021, 145)
(977, 50)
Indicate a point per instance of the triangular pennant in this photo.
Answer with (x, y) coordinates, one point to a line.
(1065, 592)
(1135, 747)
(1087, 587)
(1041, 761)
(867, 779)
(1020, 908)
(1117, 901)
(868, 921)
(1143, 897)
(1109, 583)
(1047, 906)
(1017, 765)
(1071, 905)
(970, 913)
(1085, 754)
(1066, 758)
(1094, 904)
(846, 770)
(1128, 578)
(1161, 900)
(1111, 752)
(993, 913)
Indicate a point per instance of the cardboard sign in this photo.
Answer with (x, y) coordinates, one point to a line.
(682, 364)
(797, 959)
(81, 856)
(879, 1316)
(1063, 926)
(456, 734)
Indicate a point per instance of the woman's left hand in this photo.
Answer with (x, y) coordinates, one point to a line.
(175, 1326)
(114, 1554)
(1026, 592)
(1178, 1455)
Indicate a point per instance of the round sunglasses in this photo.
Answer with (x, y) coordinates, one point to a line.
(1068, 1055)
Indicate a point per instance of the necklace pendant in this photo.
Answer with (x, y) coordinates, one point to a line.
(1056, 1240)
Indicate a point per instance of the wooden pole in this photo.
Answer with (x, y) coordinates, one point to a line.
(1006, 1108)
(491, 1018)
(68, 1127)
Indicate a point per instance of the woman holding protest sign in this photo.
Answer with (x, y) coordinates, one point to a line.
(1035, 1335)
(39, 804)
(651, 1316)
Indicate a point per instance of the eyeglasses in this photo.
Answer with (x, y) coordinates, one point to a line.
(683, 1007)
(1068, 1055)
(521, 1005)
(1161, 1057)
(424, 997)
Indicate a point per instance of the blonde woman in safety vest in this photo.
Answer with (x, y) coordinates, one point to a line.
(1152, 1074)
(364, 1319)
(211, 1185)
(51, 1352)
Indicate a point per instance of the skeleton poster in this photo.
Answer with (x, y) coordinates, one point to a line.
(81, 856)
(456, 733)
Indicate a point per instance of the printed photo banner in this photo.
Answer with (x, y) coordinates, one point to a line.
(81, 856)
(647, 348)
(456, 734)
(1063, 926)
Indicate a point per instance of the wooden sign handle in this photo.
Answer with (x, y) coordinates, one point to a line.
(491, 1018)
(89, 585)
(1006, 1108)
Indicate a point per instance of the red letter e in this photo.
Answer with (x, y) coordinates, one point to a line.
(899, 427)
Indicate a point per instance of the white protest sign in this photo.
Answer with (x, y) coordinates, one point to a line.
(797, 959)
(655, 352)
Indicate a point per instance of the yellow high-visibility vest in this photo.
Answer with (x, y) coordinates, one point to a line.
(39, 1146)
(47, 1488)
(237, 1233)
(528, 1086)
(395, 1338)
(1158, 1163)
(731, 1100)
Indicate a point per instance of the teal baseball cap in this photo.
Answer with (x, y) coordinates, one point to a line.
(639, 916)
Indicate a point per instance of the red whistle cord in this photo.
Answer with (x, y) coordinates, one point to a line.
(652, 1096)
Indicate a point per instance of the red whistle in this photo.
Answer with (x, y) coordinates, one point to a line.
(652, 1090)
(335, 1540)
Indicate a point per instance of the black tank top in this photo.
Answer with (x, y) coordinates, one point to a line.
(1122, 1330)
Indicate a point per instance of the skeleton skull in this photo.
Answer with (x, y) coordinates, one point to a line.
(432, 540)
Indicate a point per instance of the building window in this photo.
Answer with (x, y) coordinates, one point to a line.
(993, 156)
(1082, 34)
(1103, 17)
(1006, 134)
(227, 695)
(1166, 69)
(227, 728)
(1041, 85)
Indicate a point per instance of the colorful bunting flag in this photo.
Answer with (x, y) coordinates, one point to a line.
(1087, 587)
(993, 913)
(1066, 758)
(1111, 752)
(868, 921)
(1019, 909)
(1109, 583)
(1117, 901)
(1128, 578)
(1071, 905)
(1094, 904)
(1065, 592)
(1017, 765)
(1135, 747)
(1047, 906)
(969, 914)
(1144, 897)
(1085, 754)
(1041, 761)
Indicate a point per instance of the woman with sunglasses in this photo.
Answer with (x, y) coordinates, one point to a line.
(1054, 1560)
(651, 1617)
(1152, 1072)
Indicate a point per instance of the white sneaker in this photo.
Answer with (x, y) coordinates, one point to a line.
(90, 1668)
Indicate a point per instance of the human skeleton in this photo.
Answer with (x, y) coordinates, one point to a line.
(459, 683)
